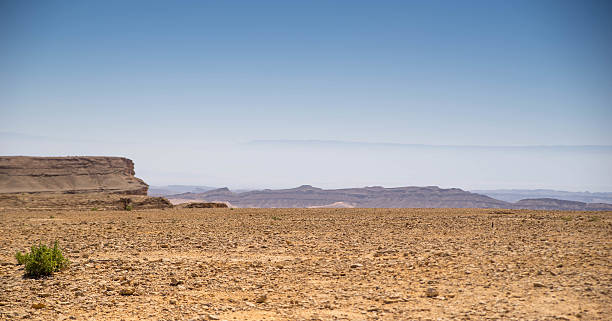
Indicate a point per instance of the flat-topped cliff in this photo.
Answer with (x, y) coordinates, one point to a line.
(79, 174)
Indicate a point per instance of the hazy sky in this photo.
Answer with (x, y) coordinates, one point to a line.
(182, 87)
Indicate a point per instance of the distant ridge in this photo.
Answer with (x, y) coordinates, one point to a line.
(514, 195)
(377, 197)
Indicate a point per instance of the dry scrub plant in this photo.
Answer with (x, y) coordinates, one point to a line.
(42, 260)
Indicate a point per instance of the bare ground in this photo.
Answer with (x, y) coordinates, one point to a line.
(312, 264)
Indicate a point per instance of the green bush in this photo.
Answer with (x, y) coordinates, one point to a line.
(42, 260)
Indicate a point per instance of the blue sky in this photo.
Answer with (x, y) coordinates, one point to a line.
(134, 78)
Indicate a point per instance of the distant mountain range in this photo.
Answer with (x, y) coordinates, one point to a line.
(378, 197)
(514, 195)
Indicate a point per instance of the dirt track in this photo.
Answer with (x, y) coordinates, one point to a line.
(311, 264)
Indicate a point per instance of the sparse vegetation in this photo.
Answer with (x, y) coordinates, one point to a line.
(94, 209)
(127, 204)
(42, 260)
(567, 218)
(276, 218)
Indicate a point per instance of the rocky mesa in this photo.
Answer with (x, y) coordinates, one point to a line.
(69, 175)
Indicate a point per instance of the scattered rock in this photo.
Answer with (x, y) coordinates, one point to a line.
(261, 299)
(225, 277)
(431, 293)
(126, 291)
(38, 306)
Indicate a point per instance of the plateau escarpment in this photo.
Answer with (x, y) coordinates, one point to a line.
(72, 175)
(84, 182)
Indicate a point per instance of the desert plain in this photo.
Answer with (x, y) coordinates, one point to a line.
(311, 264)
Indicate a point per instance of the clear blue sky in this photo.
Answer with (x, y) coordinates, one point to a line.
(138, 77)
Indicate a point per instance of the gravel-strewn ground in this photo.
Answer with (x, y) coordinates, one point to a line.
(312, 264)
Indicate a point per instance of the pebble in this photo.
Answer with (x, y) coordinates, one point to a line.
(126, 291)
(261, 299)
(431, 293)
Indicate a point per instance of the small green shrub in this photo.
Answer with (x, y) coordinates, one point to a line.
(42, 260)
(93, 209)
(276, 218)
(126, 203)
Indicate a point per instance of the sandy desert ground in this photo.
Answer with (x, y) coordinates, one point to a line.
(312, 264)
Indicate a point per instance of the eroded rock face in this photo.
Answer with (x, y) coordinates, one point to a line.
(82, 174)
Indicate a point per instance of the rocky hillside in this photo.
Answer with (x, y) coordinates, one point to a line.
(21, 174)
(379, 197)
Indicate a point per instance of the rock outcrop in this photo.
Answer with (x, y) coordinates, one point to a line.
(204, 205)
(69, 175)
(81, 201)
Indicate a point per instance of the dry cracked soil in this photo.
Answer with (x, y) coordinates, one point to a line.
(311, 264)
